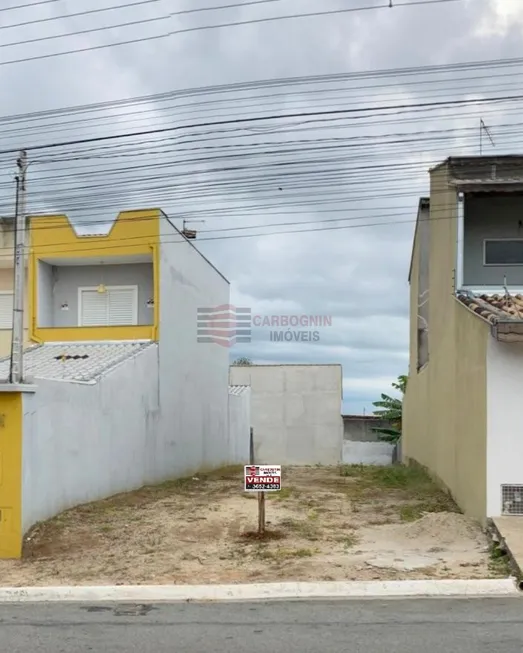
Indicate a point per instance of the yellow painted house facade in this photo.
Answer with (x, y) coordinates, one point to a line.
(57, 253)
(466, 334)
(53, 242)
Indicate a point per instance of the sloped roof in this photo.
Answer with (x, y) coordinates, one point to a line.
(75, 361)
(494, 308)
(503, 312)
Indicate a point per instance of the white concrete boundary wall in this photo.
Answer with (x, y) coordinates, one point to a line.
(239, 424)
(295, 412)
(504, 441)
(367, 453)
(158, 416)
(85, 442)
(194, 386)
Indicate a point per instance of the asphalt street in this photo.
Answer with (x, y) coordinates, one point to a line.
(369, 626)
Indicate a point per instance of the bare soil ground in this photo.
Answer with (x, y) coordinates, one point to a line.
(349, 523)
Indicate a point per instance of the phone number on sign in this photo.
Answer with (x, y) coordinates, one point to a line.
(263, 486)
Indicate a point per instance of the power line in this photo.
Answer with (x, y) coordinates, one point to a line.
(331, 144)
(435, 192)
(133, 4)
(269, 118)
(121, 150)
(52, 37)
(277, 168)
(154, 150)
(178, 111)
(124, 241)
(239, 182)
(358, 175)
(275, 83)
(29, 5)
(241, 178)
(87, 12)
(248, 3)
(188, 30)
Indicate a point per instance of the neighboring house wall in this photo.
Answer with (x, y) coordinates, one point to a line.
(295, 412)
(59, 285)
(367, 453)
(45, 290)
(361, 445)
(444, 408)
(490, 217)
(423, 236)
(504, 444)
(85, 442)
(239, 425)
(360, 428)
(194, 395)
(6, 306)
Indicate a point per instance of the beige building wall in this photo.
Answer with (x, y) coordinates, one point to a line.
(444, 424)
(6, 283)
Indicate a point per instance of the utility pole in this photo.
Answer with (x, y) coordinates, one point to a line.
(16, 372)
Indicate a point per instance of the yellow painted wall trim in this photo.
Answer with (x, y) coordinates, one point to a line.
(11, 424)
(156, 287)
(5, 341)
(72, 334)
(132, 233)
(33, 299)
(53, 237)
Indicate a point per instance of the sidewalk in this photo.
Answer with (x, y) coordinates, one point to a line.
(509, 532)
(502, 587)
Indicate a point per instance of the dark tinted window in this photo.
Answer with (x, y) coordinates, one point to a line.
(504, 252)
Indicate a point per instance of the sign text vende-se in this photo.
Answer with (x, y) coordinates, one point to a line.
(262, 478)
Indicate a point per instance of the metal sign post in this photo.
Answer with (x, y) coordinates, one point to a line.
(261, 495)
(261, 513)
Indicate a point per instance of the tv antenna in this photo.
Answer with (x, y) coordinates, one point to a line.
(484, 128)
(190, 233)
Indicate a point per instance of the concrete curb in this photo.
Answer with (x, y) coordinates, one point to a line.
(264, 591)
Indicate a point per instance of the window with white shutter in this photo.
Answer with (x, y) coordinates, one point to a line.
(117, 306)
(121, 306)
(6, 310)
(93, 308)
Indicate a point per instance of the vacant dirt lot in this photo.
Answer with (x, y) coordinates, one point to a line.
(350, 523)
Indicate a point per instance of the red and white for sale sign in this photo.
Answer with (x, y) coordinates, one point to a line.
(262, 478)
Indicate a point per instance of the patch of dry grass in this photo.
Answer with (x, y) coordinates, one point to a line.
(414, 491)
(200, 530)
(304, 528)
(280, 554)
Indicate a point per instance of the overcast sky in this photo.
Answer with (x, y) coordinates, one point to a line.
(369, 168)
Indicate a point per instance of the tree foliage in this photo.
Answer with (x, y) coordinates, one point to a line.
(242, 361)
(390, 409)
